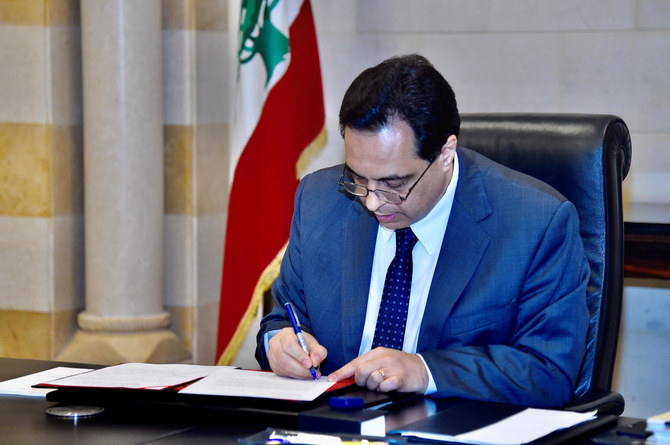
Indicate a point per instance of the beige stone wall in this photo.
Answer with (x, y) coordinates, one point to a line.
(41, 172)
(195, 113)
(41, 192)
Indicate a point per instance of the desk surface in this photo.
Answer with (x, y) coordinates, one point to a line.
(23, 419)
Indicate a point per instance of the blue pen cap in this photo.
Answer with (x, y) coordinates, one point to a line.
(344, 402)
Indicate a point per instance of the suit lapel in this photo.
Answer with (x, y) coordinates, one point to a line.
(358, 245)
(463, 246)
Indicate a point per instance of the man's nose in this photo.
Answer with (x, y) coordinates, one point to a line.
(372, 202)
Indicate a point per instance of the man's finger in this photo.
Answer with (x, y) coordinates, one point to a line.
(345, 372)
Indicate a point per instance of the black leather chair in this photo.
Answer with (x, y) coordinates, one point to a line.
(585, 157)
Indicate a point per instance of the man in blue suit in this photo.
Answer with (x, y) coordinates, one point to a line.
(493, 306)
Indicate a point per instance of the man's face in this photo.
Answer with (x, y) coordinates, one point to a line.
(388, 160)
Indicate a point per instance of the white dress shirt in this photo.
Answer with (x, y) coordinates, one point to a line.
(430, 233)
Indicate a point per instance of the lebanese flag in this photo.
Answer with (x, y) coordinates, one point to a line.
(278, 125)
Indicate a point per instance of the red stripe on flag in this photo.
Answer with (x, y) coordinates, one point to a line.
(261, 197)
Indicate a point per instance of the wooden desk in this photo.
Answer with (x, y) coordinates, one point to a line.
(647, 241)
(23, 420)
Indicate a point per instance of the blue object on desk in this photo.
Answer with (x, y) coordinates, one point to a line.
(293, 317)
(344, 402)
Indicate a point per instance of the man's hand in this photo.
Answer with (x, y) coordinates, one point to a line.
(287, 358)
(386, 369)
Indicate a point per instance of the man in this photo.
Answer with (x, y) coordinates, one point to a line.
(493, 265)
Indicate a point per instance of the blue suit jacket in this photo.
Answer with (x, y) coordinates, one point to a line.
(506, 315)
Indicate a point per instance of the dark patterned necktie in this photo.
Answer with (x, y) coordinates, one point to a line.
(392, 317)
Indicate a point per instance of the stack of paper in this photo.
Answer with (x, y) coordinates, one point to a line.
(520, 428)
(23, 386)
(195, 379)
(660, 427)
(241, 383)
(135, 376)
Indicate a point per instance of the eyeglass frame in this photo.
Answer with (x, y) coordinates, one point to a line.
(402, 199)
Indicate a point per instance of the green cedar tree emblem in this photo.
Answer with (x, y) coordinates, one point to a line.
(261, 36)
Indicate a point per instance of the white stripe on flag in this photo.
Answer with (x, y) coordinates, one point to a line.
(251, 91)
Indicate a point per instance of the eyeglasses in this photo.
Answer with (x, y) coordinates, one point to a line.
(384, 195)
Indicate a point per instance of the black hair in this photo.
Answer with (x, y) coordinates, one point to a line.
(406, 87)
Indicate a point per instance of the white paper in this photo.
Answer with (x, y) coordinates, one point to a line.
(137, 376)
(523, 427)
(374, 427)
(22, 386)
(526, 426)
(245, 383)
(661, 419)
(305, 438)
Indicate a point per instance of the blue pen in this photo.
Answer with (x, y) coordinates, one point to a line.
(298, 332)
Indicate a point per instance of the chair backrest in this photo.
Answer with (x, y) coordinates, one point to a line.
(585, 157)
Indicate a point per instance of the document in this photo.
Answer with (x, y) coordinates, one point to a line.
(660, 419)
(135, 376)
(659, 425)
(523, 427)
(276, 436)
(247, 383)
(194, 379)
(22, 386)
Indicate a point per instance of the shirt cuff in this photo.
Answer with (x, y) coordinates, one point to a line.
(268, 335)
(432, 388)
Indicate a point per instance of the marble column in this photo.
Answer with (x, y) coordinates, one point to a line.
(124, 318)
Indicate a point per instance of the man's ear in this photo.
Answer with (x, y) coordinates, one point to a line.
(448, 151)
